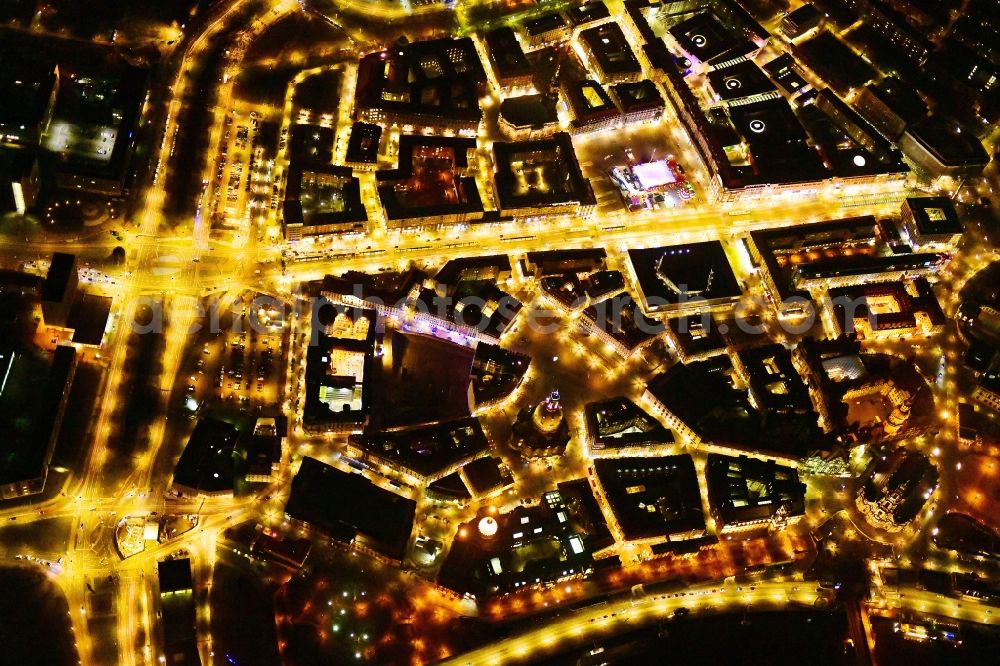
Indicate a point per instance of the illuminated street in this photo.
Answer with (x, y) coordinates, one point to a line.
(302, 318)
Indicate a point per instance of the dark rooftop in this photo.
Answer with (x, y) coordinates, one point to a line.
(587, 13)
(60, 278)
(528, 544)
(31, 392)
(901, 98)
(486, 474)
(949, 142)
(704, 396)
(349, 506)
(555, 178)
(89, 318)
(935, 215)
(429, 178)
(620, 423)
(609, 46)
(529, 110)
(637, 95)
(543, 24)
(207, 463)
(506, 55)
(684, 273)
(744, 79)
(362, 146)
(439, 79)
(705, 38)
(496, 372)
(652, 497)
(427, 450)
(175, 575)
(748, 489)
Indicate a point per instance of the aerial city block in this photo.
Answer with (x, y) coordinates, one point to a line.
(554, 332)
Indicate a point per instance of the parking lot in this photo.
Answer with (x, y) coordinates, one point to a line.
(241, 362)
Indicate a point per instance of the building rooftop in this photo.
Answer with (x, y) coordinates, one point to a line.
(707, 397)
(778, 143)
(539, 173)
(311, 144)
(430, 178)
(500, 552)
(506, 55)
(741, 80)
(362, 146)
(684, 274)
(544, 24)
(934, 216)
(610, 48)
(705, 38)
(774, 383)
(620, 423)
(26, 86)
(950, 144)
(559, 262)
(348, 506)
(496, 372)
(430, 81)
(744, 489)
(339, 368)
(426, 451)
(885, 306)
(175, 575)
(61, 278)
(534, 111)
(652, 497)
(31, 392)
(588, 103)
(575, 290)
(208, 461)
(387, 287)
(623, 319)
(901, 98)
(587, 13)
(636, 96)
(88, 317)
(486, 474)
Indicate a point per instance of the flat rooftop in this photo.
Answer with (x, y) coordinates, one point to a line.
(349, 506)
(208, 461)
(506, 55)
(744, 79)
(362, 146)
(439, 79)
(587, 13)
(652, 497)
(743, 489)
(620, 423)
(429, 180)
(935, 215)
(705, 396)
(705, 38)
(539, 173)
(544, 24)
(683, 273)
(427, 450)
(634, 96)
(500, 552)
(322, 194)
(529, 110)
(175, 575)
(610, 48)
(31, 392)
